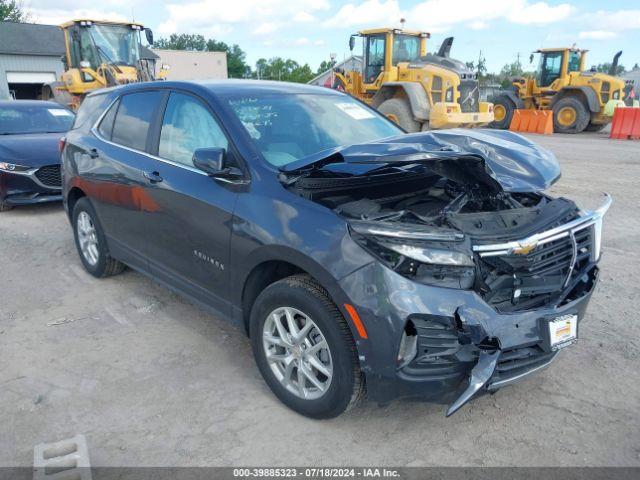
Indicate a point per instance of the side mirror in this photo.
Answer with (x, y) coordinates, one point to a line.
(213, 161)
(149, 34)
(531, 58)
(352, 42)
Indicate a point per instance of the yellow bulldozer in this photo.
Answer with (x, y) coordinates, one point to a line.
(580, 99)
(99, 54)
(415, 89)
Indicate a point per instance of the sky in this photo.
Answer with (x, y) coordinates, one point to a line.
(309, 31)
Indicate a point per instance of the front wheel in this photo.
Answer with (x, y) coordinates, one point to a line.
(304, 348)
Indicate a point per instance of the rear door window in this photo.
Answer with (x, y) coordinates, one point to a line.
(131, 125)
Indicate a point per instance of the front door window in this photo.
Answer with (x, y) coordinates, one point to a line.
(374, 57)
(550, 68)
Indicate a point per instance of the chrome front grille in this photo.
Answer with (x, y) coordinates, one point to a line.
(533, 272)
(49, 176)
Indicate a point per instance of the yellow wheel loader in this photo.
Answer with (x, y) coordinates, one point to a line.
(580, 100)
(99, 54)
(415, 89)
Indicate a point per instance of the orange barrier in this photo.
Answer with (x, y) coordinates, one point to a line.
(626, 123)
(532, 121)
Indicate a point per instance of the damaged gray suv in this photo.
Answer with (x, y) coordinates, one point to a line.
(358, 259)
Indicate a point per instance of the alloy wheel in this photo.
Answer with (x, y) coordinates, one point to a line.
(87, 238)
(297, 353)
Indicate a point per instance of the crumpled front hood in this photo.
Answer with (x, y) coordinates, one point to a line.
(502, 157)
(30, 149)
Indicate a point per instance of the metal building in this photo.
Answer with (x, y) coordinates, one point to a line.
(325, 79)
(192, 65)
(29, 57)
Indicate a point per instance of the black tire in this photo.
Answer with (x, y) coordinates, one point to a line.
(582, 116)
(399, 110)
(595, 128)
(303, 293)
(502, 101)
(105, 266)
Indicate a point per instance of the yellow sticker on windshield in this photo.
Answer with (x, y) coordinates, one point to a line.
(355, 111)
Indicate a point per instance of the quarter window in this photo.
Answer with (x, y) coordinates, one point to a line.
(574, 62)
(106, 125)
(187, 126)
(132, 120)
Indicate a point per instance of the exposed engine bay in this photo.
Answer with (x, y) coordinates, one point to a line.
(418, 196)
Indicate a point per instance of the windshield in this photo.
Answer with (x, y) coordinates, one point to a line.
(286, 128)
(34, 119)
(116, 43)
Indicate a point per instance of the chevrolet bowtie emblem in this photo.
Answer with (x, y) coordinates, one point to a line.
(523, 248)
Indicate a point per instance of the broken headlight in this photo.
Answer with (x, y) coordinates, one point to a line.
(414, 255)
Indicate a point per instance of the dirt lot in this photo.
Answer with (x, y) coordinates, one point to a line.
(152, 380)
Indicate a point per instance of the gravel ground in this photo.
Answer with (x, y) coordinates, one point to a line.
(151, 379)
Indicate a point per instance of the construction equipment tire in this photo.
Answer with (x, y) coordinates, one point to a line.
(503, 108)
(398, 110)
(570, 115)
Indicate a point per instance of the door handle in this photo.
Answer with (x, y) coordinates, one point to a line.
(93, 153)
(153, 177)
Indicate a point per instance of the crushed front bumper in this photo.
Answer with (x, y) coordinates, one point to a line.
(456, 329)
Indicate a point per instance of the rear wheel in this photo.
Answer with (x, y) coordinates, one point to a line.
(398, 111)
(91, 242)
(503, 108)
(304, 348)
(570, 115)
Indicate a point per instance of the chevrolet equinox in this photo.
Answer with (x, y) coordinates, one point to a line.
(359, 259)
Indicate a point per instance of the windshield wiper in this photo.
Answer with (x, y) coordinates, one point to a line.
(108, 58)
